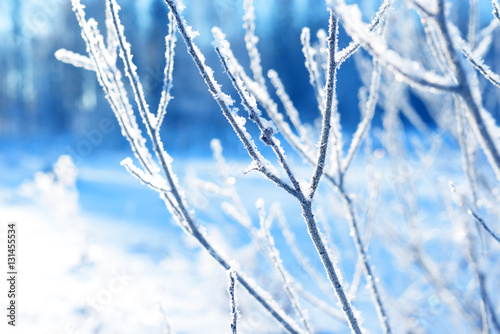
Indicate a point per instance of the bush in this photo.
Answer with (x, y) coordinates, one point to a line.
(429, 266)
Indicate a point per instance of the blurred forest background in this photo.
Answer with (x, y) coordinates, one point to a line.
(46, 105)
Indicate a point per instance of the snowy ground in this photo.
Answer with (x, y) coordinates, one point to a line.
(99, 253)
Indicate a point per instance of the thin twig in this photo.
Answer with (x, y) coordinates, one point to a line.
(330, 104)
(284, 275)
(231, 275)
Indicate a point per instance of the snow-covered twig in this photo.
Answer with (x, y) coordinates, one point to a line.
(470, 250)
(75, 59)
(109, 78)
(292, 244)
(496, 9)
(170, 40)
(235, 314)
(484, 225)
(481, 67)
(312, 67)
(363, 127)
(476, 116)
(471, 29)
(306, 203)
(349, 50)
(330, 106)
(166, 329)
(251, 42)
(470, 211)
(284, 275)
(407, 69)
(466, 156)
(266, 128)
(225, 102)
(130, 68)
(290, 109)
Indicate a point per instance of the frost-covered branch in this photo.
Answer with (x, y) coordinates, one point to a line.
(235, 314)
(109, 78)
(482, 123)
(301, 258)
(155, 182)
(284, 275)
(470, 211)
(166, 329)
(251, 42)
(349, 50)
(130, 68)
(170, 40)
(266, 127)
(75, 59)
(363, 127)
(312, 67)
(481, 67)
(313, 230)
(472, 258)
(287, 103)
(330, 106)
(225, 102)
(409, 70)
(496, 9)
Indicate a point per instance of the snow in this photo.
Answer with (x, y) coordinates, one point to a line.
(80, 230)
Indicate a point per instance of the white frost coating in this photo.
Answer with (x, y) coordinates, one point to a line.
(226, 99)
(351, 17)
(155, 181)
(191, 32)
(349, 50)
(233, 212)
(75, 59)
(240, 121)
(179, 4)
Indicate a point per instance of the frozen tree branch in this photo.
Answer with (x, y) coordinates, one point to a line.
(312, 67)
(170, 40)
(330, 107)
(284, 275)
(75, 59)
(475, 114)
(231, 274)
(349, 50)
(266, 128)
(408, 70)
(251, 42)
